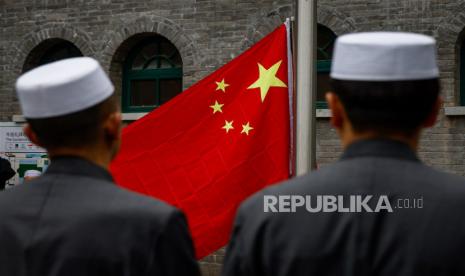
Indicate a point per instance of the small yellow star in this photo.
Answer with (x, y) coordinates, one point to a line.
(221, 85)
(228, 126)
(246, 128)
(267, 79)
(217, 107)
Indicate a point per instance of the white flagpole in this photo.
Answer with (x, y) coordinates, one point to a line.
(306, 86)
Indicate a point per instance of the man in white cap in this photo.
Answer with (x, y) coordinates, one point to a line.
(73, 220)
(378, 210)
(31, 174)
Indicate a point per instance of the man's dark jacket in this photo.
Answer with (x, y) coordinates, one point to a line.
(421, 241)
(6, 172)
(74, 220)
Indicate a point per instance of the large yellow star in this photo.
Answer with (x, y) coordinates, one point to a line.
(217, 107)
(246, 128)
(267, 79)
(221, 85)
(228, 126)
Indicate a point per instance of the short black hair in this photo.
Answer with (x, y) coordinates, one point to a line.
(387, 106)
(77, 129)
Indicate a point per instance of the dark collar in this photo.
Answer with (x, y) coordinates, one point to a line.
(77, 166)
(380, 148)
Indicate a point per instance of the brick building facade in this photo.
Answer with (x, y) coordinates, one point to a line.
(209, 33)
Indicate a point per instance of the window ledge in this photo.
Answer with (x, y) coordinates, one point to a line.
(133, 116)
(320, 113)
(454, 111)
(323, 113)
(18, 119)
(126, 117)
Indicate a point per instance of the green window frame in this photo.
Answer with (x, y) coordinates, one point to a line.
(162, 64)
(323, 67)
(462, 75)
(325, 43)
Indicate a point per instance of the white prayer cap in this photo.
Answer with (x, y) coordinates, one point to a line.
(32, 173)
(384, 56)
(62, 87)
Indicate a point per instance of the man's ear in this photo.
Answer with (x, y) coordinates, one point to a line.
(337, 110)
(112, 126)
(433, 116)
(31, 135)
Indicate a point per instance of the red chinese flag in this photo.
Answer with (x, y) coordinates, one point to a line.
(216, 143)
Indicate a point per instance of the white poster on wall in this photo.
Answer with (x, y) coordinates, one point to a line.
(12, 139)
(22, 153)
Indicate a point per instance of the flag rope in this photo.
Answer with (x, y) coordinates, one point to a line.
(290, 81)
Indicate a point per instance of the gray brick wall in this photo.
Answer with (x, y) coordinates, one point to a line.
(209, 33)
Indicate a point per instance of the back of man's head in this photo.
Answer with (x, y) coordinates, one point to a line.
(387, 106)
(78, 129)
(387, 82)
(66, 103)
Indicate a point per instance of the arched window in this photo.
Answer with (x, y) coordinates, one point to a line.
(50, 50)
(325, 45)
(61, 50)
(462, 73)
(152, 74)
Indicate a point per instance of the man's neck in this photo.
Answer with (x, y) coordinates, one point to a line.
(410, 140)
(95, 156)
